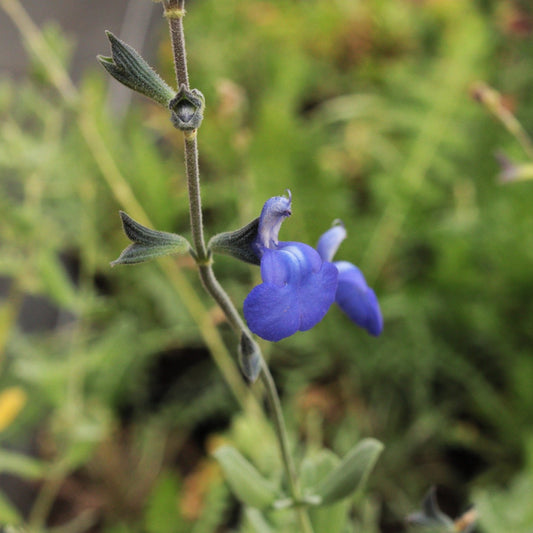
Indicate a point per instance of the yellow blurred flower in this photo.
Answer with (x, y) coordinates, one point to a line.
(12, 400)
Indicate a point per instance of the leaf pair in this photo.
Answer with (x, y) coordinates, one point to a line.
(149, 243)
(327, 480)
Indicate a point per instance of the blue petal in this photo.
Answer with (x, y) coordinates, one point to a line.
(330, 241)
(357, 299)
(274, 211)
(297, 291)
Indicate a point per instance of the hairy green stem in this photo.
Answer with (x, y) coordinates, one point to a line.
(213, 287)
(195, 198)
(281, 432)
(174, 11)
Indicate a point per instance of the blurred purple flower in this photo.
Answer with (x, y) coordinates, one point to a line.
(353, 295)
(509, 170)
(298, 286)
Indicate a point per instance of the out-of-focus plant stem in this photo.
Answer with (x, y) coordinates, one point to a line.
(9, 311)
(175, 11)
(493, 101)
(281, 431)
(46, 497)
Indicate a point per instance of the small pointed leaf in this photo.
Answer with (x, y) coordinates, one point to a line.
(9, 514)
(129, 68)
(249, 357)
(431, 509)
(238, 244)
(248, 485)
(351, 473)
(148, 243)
(22, 466)
(431, 515)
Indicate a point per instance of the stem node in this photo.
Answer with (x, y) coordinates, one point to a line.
(174, 13)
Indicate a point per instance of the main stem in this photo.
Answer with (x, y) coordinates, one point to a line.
(195, 198)
(281, 432)
(174, 11)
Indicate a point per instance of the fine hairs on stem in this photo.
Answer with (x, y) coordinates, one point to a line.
(174, 11)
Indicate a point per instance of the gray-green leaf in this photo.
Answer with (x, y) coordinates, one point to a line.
(129, 68)
(148, 243)
(316, 467)
(327, 518)
(9, 515)
(257, 522)
(351, 473)
(21, 465)
(248, 485)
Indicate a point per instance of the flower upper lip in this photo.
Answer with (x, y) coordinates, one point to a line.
(274, 211)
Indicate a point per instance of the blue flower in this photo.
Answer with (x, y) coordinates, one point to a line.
(353, 295)
(298, 286)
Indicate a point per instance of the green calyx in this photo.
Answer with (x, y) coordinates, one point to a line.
(238, 243)
(129, 68)
(148, 243)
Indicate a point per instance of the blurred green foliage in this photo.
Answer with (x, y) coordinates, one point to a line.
(508, 508)
(363, 110)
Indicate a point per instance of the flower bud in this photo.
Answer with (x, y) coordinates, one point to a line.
(187, 109)
(249, 357)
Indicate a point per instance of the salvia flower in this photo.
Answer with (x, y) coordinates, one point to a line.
(298, 285)
(353, 295)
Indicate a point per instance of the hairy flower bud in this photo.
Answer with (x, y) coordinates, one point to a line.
(187, 109)
(249, 357)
